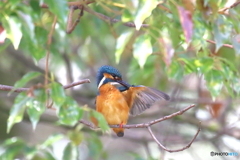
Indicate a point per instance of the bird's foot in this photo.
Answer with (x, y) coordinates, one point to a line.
(121, 125)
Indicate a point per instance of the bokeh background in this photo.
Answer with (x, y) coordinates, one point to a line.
(188, 49)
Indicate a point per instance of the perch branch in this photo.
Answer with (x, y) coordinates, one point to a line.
(148, 126)
(144, 125)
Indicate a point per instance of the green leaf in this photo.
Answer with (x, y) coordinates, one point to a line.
(144, 10)
(59, 8)
(50, 141)
(57, 94)
(69, 113)
(45, 155)
(203, 64)
(17, 111)
(121, 44)
(30, 152)
(142, 49)
(221, 32)
(70, 152)
(26, 78)
(12, 148)
(175, 71)
(126, 16)
(13, 28)
(36, 106)
(214, 81)
(95, 147)
(102, 123)
(3, 46)
(189, 65)
(75, 136)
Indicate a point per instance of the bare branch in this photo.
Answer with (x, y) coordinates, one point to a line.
(177, 150)
(77, 3)
(70, 26)
(110, 20)
(9, 88)
(18, 90)
(87, 123)
(223, 10)
(76, 83)
(49, 41)
(224, 45)
(144, 125)
(148, 126)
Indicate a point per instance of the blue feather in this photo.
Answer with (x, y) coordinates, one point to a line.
(107, 69)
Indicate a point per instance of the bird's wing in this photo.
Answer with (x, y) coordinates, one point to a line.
(144, 97)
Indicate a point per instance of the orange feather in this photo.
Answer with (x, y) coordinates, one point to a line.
(112, 104)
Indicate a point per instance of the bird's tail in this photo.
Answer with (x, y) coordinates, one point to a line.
(119, 131)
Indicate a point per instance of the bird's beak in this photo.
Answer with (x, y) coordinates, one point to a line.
(125, 84)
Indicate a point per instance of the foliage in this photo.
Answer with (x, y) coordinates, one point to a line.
(174, 39)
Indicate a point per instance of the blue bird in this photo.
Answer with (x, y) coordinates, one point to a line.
(117, 99)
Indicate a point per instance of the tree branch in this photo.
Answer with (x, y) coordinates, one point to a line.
(148, 126)
(223, 10)
(141, 125)
(108, 19)
(18, 90)
(144, 125)
(77, 3)
(224, 45)
(177, 150)
(70, 26)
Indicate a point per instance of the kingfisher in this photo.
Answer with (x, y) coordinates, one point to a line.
(117, 99)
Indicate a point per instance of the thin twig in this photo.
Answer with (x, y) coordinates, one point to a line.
(223, 10)
(9, 88)
(224, 45)
(144, 125)
(177, 150)
(148, 126)
(88, 124)
(110, 20)
(77, 3)
(18, 90)
(70, 26)
(49, 41)
(99, 15)
(76, 83)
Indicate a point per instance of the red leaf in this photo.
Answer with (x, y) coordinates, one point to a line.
(186, 22)
(216, 109)
(167, 50)
(2, 34)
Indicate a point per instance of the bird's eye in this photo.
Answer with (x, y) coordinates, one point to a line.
(116, 77)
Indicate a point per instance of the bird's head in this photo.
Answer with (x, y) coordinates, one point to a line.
(109, 74)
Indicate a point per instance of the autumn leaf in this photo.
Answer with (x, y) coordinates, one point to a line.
(186, 22)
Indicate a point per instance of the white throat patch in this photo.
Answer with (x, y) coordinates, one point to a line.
(101, 82)
(116, 84)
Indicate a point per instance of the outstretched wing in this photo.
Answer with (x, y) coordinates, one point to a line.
(144, 97)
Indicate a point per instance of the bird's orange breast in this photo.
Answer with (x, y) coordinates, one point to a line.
(112, 104)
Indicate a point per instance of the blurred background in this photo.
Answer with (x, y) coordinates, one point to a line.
(187, 49)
